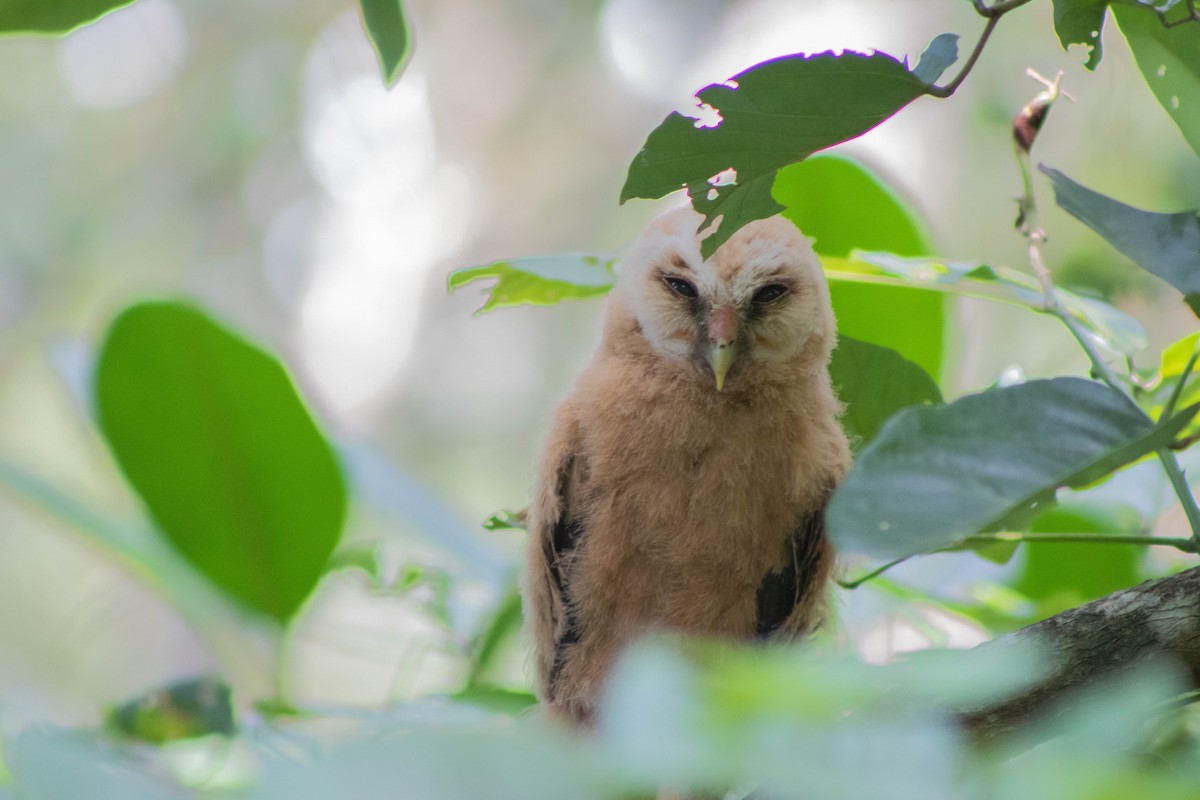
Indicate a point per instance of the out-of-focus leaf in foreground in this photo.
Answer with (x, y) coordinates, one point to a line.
(984, 461)
(874, 383)
(210, 431)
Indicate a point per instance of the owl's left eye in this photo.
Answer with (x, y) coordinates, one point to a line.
(772, 291)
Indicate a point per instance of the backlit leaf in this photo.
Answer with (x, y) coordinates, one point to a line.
(52, 16)
(210, 431)
(875, 382)
(540, 280)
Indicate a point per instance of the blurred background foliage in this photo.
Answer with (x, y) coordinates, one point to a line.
(248, 158)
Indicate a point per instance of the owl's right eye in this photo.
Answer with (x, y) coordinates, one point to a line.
(680, 287)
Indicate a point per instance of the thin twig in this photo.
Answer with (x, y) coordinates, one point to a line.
(1185, 545)
(1192, 16)
(999, 8)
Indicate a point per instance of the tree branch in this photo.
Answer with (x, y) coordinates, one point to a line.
(1159, 618)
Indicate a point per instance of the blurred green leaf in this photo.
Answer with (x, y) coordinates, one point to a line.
(937, 474)
(504, 623)
(1109, 325)
(1061, 576)
(500, 700)
(540, 280)
(507, 521)
(183, 710)
(1167, 245)
(829, 198)
(364, 558)
(1169, 60)
(874, 383)
(211, 433)
(773, 114)
(52, 16)
(388, 31)
(50, 763)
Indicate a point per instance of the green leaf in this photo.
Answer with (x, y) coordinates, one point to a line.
(875, 382)
(1167, 245)
(505, 520)
(210, 431)
(1169, 60)
(1111, 326)
(52, 16)
(937, 474)
(540, 280)
(774, 114)
(183, 710)
(844, 207)
(505, 622)
(1081, 22)
(937, 58)
(388, 31)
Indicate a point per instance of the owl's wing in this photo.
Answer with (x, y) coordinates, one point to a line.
(555, 533)
(789, 598)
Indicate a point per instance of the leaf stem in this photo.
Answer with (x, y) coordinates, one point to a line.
(1186, 545)
(952, 86)
(999, 8)
(1192, 16)
(1100, 369)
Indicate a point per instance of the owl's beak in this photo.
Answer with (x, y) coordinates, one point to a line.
(722, 338)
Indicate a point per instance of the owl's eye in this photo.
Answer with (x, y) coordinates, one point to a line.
(680, 287)
(770, 292)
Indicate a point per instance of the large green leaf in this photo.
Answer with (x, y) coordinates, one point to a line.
(845, 207)
(875, 382)
(211, 433)
(540, 280)
(1169, 60)
(771, 115)
(388, 30)
(52, 16)
(1168, 245)
(937, 474)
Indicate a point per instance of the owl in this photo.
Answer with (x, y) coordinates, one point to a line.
(683, 483)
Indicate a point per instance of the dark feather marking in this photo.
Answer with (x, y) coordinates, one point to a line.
(783, 589)
(559, 546)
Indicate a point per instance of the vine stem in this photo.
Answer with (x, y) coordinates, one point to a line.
(1100, 369)
(993, 13)
(1185, 545)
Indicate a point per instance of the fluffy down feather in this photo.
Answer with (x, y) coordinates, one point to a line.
(666, 503)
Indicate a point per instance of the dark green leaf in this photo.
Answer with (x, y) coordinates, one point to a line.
(53, 16)
(1167, 245)
(184, 710)
(937, 474)
(773, 114)
(388, 30)
(845, 207)
(1081, 22)
(875, 382)
(211, 433)
(540, 280)
(1169, 60)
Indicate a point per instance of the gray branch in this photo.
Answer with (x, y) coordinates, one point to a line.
(1087, 644)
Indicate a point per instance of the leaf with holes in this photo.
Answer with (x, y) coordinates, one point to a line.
(1169, 60)
(210, 431)
(540, 280)
(56, 17)
(937, 474)
(1167, 245)
(774, 114)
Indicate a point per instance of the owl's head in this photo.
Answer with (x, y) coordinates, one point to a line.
(760, 302)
